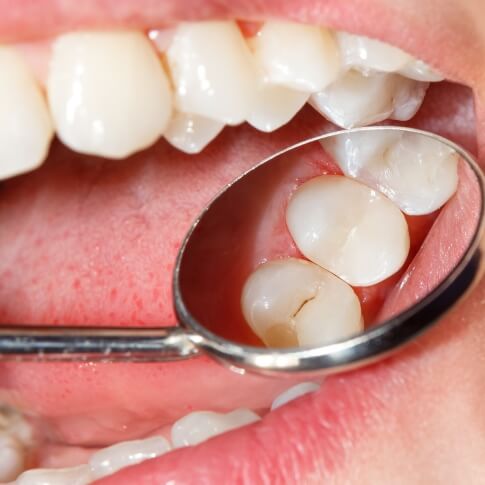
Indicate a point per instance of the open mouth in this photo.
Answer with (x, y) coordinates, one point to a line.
(151, 123)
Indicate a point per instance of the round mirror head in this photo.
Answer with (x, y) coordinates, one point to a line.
(333, 252)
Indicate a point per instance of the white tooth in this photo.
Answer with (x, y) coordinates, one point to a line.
(293, 302)
(212, 70)
(274, 106)
(297, 56)
(420, 71)
(26, 124)
(108, 93)
(419, 174)
(110, 460)
(349, 229)
(191, 133)
(408, 96)
(294, 393)
(370, 54)
(196, 427)
(79, 475)
(12, 457)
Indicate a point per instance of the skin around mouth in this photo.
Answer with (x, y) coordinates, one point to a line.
(79, 235)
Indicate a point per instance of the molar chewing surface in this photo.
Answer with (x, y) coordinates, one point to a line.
(114, 93)
(190, 430)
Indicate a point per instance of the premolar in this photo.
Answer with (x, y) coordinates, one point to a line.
(348, 229)
(108, 93)
(417, 173)
(301, 57)
(26, 124)
(292, 302)
(212, 70)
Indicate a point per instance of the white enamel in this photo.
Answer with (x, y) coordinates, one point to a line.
(370, 54)
(191, 133)
(356, 99)
(108, 93)
(420, 71)
(301, 57)
(161, 38)
(26, 124)
(349, 229)
(113, 458)
(79, 475)
(419, 174)
(12, 457)
(294, 393)
(292, 302)
(274, 106)
(196, 427)
(212, 70)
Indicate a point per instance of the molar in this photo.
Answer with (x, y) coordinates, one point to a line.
(300, 57)
(292, 302)
(348, 229)
(26, 124)
(212, 70)
(108, 93)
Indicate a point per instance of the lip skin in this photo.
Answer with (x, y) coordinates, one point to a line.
(369, 426)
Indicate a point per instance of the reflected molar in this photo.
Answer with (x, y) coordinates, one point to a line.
(348, 229)
(108, 93)
(113, 458)
(300, 57)
(294, 393)
(212, 70)
(357, 100)
(417, 173)
(196, 427)
(292, 302)
(191, 133)
(26, 123)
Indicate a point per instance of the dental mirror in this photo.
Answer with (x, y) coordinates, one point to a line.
(328, 255)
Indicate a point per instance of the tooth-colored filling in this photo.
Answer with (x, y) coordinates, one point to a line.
(293, 296)
(114, 93)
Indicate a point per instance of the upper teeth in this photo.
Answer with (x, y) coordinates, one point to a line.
(419, 174)
(109, 93)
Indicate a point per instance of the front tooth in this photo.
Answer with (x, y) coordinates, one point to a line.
(191, 133)
(274, 106)
(108, 93)
(297, 56)
(79, 475)
(294, 393)
(26, 124)
(419, 174)
(420, 71)
(12, 459)
(196, 427)
(370, 54)
(110, 460)
(348, 229)
(213, 72)
(408, 96)
(293, 302)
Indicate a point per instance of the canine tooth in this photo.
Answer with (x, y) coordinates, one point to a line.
(407, 98)
(12, 459)
(26, 124)
(419, 174)
(370, 54)
(108, 93)
(79, 475)
(212, 70)
(293, 302)
(348, 228)
(420, 71)
(274, 106)
(113, 458)
(196, 427)
(191, 133)
(294, 393)
(283, 50)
